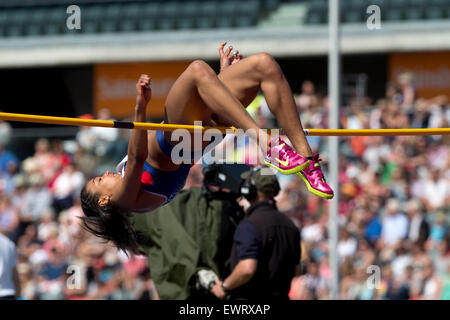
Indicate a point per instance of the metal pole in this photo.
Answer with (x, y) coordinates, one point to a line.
(333, 123)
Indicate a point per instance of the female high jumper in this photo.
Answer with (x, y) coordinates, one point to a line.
(147, 178)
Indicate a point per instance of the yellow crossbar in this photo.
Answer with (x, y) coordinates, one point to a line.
(171, 127)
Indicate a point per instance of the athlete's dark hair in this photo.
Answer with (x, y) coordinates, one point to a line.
(109, 222)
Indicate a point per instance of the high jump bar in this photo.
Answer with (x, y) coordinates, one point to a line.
(171, 127)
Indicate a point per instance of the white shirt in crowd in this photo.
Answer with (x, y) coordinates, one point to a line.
(394, 228)
(399, 265)
(5, 133)
(347, 247)
(374, 154)
(436, 192)
(105, 134)
(8, 262)
(414, 228)
(312, 233)
(430, 289)
(68, 183)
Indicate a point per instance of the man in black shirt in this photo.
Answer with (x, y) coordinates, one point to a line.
(266, 248)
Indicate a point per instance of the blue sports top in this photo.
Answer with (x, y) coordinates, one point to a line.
(162, 183)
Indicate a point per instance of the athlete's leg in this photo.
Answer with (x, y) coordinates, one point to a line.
(261, 71)
(198, 93)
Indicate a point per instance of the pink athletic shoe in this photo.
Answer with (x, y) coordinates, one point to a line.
(314, 179)
(283, 158)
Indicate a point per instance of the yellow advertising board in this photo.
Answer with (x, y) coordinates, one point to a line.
(431, 71)
(115, 86)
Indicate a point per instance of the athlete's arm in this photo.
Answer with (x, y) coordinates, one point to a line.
(128, 191)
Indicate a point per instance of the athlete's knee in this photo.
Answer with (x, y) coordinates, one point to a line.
(201, 70)
(266, 64)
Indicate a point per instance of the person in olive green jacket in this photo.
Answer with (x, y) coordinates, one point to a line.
(194, 232)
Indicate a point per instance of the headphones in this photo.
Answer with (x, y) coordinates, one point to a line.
(248, 189)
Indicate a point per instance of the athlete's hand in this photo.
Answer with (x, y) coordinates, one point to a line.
(143, 90)
(228, 57)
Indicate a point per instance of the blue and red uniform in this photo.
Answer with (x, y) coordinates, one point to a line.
(162, 183)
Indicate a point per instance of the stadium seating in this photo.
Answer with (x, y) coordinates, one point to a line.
(48, 17)
(354, 11)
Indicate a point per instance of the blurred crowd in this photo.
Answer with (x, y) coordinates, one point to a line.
(39, 210)
(394, 240)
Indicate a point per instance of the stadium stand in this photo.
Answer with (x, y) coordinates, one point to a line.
(29, 18)
(47, 17)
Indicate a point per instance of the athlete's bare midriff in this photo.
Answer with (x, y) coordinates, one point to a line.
(156, 157)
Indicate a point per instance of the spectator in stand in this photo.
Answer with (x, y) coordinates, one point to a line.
(401, 259)
(394, 225)
(357, 118)
(420, 116)
(347, 244)
(436, 190)
(372, 229)
(314, 282)
(437, 111)
(432, 285)
(393, 93)
(5, 132)
(27, 281)
(29, 243)
(86, 136)
(59, 157)
(105, 137)
(312, 231)
(7, 186)
(397, 290)
(419, 228)
(439, 229)
(7, 160)
(43, 160)
(445, 291)
(376, 114)
(51, 279)
(407, 90)
(47, 225)
(377, 151)
(9, 278)
(365, 255)
(307, 99)
(36, 200)
(441, 258)
(438, 155)
(20, 187)
(67, 185)
(9, 219)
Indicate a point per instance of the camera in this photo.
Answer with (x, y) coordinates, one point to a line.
(223, 180)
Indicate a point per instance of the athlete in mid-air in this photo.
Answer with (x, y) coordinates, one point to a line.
(147, 178)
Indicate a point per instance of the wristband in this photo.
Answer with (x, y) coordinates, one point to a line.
(224, 288)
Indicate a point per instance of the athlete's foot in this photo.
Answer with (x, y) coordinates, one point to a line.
(315, 180)
(283, 158)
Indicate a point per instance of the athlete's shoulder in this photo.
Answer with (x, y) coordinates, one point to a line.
(121, 166)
